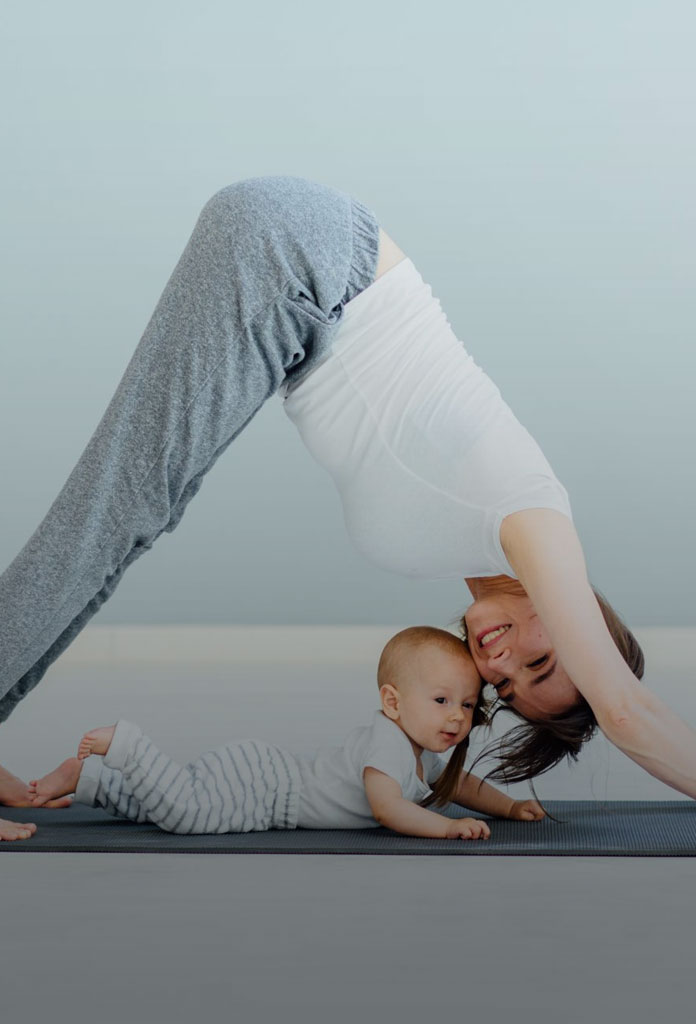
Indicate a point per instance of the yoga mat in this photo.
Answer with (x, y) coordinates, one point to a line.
(584, 828)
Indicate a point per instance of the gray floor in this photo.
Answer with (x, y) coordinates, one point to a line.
(181, 938)
(175, 938)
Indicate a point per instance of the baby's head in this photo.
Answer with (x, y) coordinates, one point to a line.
(430, 687)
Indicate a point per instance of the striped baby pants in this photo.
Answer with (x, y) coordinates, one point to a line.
(248, 786)
(253, 303)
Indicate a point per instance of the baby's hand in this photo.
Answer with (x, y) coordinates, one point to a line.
(468, 828)
(526, 810)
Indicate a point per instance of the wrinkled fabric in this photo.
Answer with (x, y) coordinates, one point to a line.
(253, 303)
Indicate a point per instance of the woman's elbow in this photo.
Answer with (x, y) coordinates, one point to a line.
(625, 719)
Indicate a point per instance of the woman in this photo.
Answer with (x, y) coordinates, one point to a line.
(436, 475)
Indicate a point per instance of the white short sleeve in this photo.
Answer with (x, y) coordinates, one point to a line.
(389, 751)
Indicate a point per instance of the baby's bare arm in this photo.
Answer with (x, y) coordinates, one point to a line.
(392, 810)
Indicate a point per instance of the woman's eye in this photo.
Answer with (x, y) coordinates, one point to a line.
(539, 662)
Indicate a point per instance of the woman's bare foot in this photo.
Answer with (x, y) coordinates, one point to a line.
(15, 793)
(11, 830)
(60, 781)
(96, 741)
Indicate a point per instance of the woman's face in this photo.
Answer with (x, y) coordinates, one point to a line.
(513, 653)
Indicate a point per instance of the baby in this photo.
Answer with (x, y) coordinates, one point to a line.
(387, 773)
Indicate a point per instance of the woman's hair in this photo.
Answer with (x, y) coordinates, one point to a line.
(535, 747)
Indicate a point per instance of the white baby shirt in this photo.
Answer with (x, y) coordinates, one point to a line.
(333, 793)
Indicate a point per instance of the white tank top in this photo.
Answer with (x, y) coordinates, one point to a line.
(427, 457)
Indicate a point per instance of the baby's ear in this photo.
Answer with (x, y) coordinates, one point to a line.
(389, 696)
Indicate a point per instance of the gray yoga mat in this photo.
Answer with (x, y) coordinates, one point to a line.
(583, 828)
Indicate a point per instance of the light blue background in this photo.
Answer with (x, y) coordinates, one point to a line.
(535, 160)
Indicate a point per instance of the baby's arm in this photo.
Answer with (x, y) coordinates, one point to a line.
(479, 796)
(391, 809)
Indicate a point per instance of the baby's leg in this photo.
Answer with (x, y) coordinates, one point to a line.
(93, 783)
(101, 786)
(61, 781)
(242, 787)
(89, 779)
(254, 299)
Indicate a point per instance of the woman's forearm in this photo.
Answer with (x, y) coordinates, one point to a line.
(659, 741)
(482, 797)
(544, 550)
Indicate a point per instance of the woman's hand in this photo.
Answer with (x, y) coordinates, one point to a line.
(526, 810)
(468, 828)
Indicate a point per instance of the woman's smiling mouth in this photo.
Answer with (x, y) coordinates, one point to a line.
(487, 637)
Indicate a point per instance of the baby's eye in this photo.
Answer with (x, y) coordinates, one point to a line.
(440, 700)
(467, 704)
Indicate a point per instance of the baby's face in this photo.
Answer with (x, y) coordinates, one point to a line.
(437, 696)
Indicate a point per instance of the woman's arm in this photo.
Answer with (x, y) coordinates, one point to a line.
(391, 809)
(480, 796)
(543, 548)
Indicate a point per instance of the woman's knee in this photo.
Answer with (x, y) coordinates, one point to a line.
(248, 200)
(223, 208)
(280, 204)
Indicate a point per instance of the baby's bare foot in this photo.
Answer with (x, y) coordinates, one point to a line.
(15, 793)
(96, 741)
(59, 782)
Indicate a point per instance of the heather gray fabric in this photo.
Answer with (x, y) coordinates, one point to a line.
(584, 828)
(254, 301)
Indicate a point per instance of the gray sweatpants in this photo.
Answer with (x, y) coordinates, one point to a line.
(254, 301)
(248, 786)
